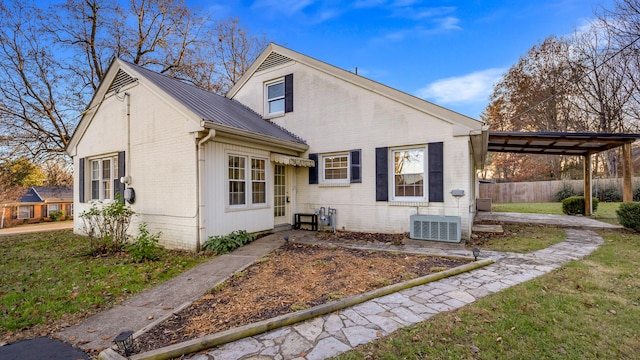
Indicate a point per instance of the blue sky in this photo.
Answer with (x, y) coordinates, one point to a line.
(447, 52)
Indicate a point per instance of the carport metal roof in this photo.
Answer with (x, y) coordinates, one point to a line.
(565, 143)
(556, 143)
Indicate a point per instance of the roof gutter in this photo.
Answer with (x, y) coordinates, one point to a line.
(239, 134)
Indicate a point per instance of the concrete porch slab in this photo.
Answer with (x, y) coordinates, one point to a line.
(482, 228)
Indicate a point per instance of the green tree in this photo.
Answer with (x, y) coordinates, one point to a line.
(21, 172)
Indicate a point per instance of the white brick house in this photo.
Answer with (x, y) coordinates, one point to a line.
(202, 164)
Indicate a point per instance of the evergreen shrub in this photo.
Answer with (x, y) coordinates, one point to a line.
(575, 205)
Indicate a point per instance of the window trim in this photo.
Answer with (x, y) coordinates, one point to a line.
(248, 183)
(392, 175)
(323, 168)
(267, 100)
(113, 170)
(30, 211)
(263, 181)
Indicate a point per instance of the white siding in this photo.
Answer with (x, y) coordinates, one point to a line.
(220, 219)
(333, 115)
(161, 161)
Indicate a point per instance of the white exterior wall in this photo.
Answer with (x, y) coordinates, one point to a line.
(333, 115)
(161, 161)
(219, 217)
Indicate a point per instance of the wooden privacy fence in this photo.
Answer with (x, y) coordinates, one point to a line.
(540, 191)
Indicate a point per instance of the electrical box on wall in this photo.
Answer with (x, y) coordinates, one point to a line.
(457, 192)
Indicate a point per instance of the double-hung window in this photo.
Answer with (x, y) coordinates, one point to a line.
(103, 172)
(274, 97)
(25, 211)
(243, 177)
(409, 174)
(258, 181)
(50, 208)
(335, 168)
(237, 176)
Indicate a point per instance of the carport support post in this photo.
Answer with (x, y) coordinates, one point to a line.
(587, 185)
(627, 165)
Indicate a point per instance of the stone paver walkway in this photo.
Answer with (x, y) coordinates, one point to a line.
(341, 331)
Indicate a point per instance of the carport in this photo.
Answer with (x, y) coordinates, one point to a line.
(566, 143)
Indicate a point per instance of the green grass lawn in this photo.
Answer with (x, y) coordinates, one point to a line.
(587, 309)
(46, 276)
(606, 211)
(523, 238)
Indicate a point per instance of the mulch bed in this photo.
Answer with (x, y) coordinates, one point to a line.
(292, 278)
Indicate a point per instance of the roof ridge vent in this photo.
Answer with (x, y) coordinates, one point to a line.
(274, 59)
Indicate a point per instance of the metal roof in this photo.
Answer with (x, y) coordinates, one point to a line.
(215, 108)
(556, 143)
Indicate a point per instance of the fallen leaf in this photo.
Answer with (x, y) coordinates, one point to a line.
(105, 337)
(73, 338)
(91, 330)
(474, 349)
(612, 311)
(499, 339)
(150, 317)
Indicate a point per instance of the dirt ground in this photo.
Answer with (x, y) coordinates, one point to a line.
(293, 278)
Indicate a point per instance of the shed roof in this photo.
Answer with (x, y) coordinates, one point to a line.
(556, 143)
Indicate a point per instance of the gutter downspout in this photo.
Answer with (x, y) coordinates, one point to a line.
(201, 205)
(4, 210)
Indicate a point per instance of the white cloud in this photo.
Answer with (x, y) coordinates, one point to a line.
(471, 88)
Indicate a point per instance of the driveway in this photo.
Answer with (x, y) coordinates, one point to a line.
(48, 226)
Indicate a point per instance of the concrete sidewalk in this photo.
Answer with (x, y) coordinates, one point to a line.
(579, 222)
(40, 227)
(151, 307)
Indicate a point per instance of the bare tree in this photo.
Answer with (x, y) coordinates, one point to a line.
(57, 173)
(38, 100)
(534, 95)
(54, 59)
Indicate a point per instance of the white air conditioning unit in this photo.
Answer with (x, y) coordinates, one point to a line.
(435, 227)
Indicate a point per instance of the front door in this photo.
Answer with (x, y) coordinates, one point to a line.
(280, 195)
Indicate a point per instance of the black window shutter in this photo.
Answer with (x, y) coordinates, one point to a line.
(313, 171)
(436, 173)
(382, 174)
(118, 186)
(356, 175)
(288, 93)
(81, 180)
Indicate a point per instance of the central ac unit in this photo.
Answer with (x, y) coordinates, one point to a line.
(435, 227)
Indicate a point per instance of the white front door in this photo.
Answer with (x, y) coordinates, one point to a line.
(280, 195)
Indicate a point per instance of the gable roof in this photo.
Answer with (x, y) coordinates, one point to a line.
(47, 194)
(213, 110)
(54, 193)
(213, 107)
(275, 55)
(31, 196)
